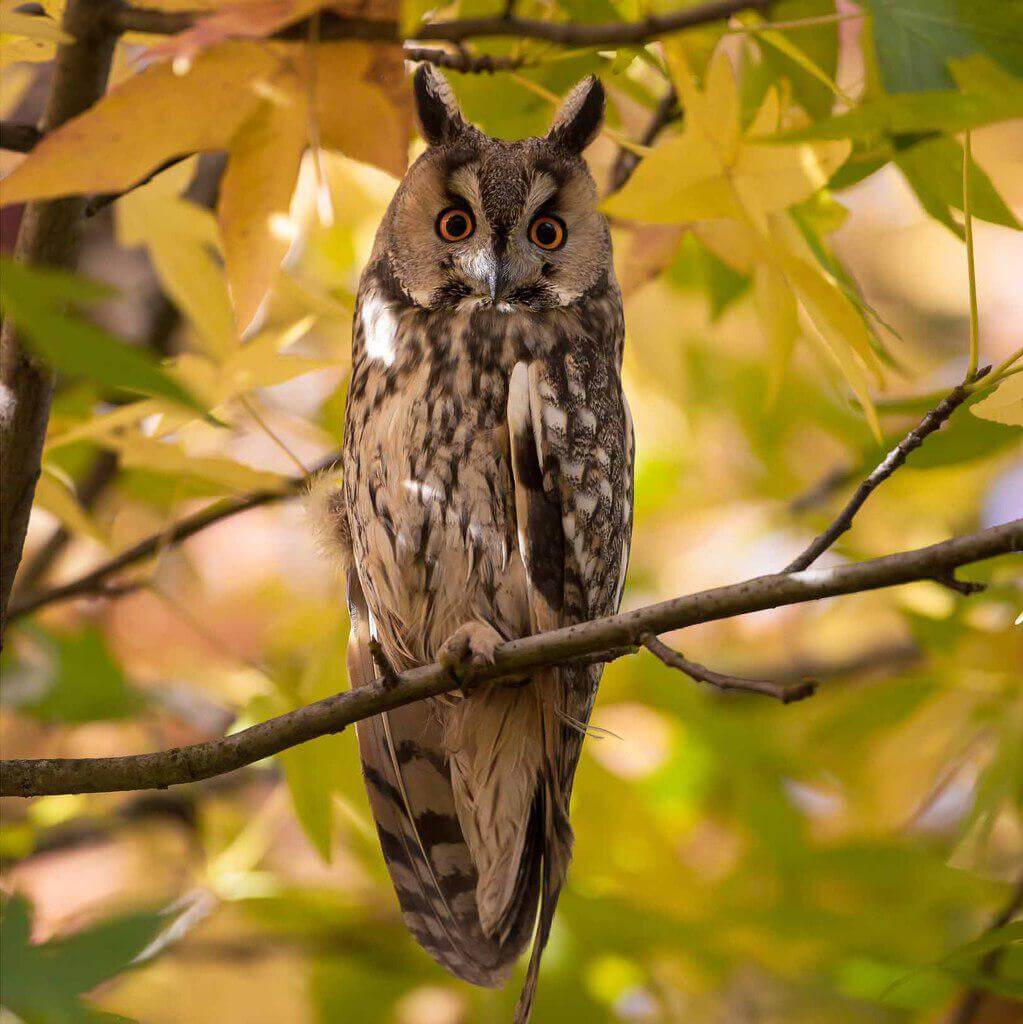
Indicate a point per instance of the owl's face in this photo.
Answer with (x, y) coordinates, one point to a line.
(478, 222)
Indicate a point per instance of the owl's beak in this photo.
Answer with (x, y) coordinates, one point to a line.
(495, 276)
(499, 283)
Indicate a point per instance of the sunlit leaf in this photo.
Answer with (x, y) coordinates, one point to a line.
(1004, 404)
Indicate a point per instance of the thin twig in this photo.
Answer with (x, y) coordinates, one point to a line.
(967, 1010)
(888, 465)
(626, 162)
(104, 199)
(971, 270)
(463, 61)
(33, 777)
(673, 659)
(96, 579)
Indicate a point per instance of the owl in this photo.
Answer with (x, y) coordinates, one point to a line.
(486, 495)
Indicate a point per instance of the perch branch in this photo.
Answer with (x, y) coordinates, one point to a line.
(32, 777)
(48, 236)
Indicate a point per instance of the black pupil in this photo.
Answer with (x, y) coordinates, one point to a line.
(457, 224)
(546, 233)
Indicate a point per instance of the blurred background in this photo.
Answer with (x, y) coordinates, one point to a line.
(736, 861)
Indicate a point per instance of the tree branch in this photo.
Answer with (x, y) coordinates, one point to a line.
(626, 162)
(95, 581)
(33, 777)
(563, 33)
(933, 421)
(47, 236)
(463, 61)
(787, 693)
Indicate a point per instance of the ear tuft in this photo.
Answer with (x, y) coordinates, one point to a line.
(580, 117)
(436, 108)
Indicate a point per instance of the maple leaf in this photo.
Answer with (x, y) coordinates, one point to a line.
(257, 101)
(735, 191)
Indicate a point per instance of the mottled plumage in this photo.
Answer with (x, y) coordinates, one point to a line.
(487, 494)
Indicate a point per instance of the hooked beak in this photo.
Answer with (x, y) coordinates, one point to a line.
(495, 277)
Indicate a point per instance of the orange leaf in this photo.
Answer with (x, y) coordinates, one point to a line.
(262, 168)
(142, 122)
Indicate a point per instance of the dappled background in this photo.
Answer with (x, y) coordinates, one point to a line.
(736, 860)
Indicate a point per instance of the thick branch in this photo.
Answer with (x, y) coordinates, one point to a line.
(203, 760)
(47, 236)
(563, 33)
(95, 581)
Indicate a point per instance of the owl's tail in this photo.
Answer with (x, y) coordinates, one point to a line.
(410, 791)
(557, 852)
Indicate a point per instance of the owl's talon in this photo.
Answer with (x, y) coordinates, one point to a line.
(469, 647)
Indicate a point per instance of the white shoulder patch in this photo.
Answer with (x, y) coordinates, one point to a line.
(379, 326)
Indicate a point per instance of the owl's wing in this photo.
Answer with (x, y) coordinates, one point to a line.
(570, 435)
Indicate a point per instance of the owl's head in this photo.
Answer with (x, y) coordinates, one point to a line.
(482, 222)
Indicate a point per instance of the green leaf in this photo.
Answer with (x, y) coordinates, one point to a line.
(963, 439)
(36, 298)
(314, 771)
(988, 95)
(696, 266)
(42, 983)
(997, 939)
(914, 39)
(934, 170)
(509, 110)
(67, 677)
(817, 46)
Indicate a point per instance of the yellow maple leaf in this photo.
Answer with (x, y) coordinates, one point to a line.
(735, 191)
(183, 242)
(1004, 404)
(252, 100)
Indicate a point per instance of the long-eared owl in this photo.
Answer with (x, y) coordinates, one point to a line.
(487, 495)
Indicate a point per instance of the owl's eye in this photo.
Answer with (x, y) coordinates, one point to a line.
(455, 224)
(547, 232)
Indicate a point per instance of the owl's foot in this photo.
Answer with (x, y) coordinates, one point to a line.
(470, 646)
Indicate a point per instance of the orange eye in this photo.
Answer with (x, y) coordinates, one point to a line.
(547, 232)
(455, 224)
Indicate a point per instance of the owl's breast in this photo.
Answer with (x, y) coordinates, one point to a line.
(430, 500)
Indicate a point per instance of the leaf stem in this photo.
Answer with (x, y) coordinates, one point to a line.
(970, 267)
